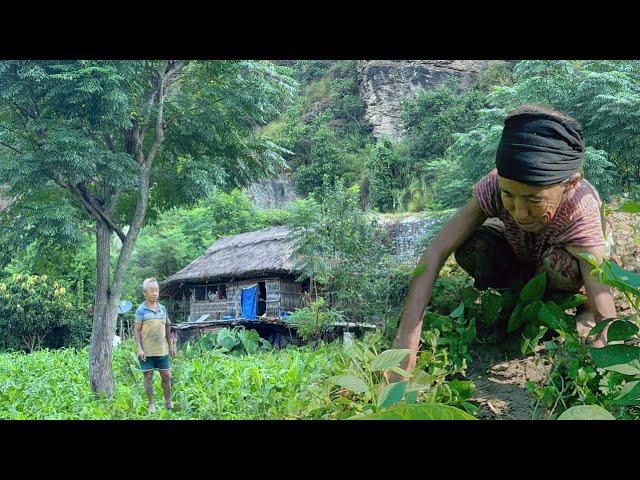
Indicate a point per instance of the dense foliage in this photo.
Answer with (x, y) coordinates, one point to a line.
(341, 250)
(65, 142)
(36, 312)
(181, 234)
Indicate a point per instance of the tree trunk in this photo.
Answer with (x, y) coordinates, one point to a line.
(108, 293)
(100, 373)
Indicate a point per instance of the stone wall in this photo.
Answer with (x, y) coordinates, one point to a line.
(274, 193)
(384, 84)
(408, 236)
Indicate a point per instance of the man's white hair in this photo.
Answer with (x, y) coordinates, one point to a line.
(148, 283)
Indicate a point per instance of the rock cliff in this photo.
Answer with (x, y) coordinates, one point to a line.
(384, 84)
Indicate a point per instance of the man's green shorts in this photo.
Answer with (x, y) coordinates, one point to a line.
(157, 363)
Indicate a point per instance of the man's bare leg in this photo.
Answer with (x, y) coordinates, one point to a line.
(148, 388)
(166, 388)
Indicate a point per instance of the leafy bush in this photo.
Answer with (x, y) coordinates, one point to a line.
(581, 375)
(314, 320)
(237, 341)
(341, 250)
(363, 392)
(36, 312)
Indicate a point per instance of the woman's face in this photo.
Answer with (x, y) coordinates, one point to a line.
(531, 206)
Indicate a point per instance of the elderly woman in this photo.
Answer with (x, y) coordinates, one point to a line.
(153, 341)
(534, 212)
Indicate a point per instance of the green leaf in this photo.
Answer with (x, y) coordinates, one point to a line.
(614, 355)
(631, 368)
(490, 307)
(534, 289)
(600, 326)
(573, 301)
(546, 317)
(411, 397)
(530, 312)
(423, 411)
(420, 381)
(621, 330)
(458, 312)
(464, 388)
(227, 339)
(629, 394)
(590, 259)
(391, 394)
(469, 296)
(555, 309)
(531, 330)
(400, 371)
(630, 207)
(468, 334)
(470, 408)
(249, 340)
(350, 382)
(388, 359)
(586, 412)
(516, 318)
(418, 270)
(618, 277)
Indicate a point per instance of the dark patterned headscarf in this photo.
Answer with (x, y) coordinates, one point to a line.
(539, 149)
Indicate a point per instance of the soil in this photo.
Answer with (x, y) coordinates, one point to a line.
(500, 374)
(500, 379)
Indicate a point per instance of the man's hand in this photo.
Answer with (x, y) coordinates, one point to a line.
(141, 355)
(172, 351)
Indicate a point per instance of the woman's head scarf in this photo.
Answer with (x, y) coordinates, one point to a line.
(539, 149)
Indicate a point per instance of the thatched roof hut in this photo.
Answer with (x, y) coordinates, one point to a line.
(266, 251)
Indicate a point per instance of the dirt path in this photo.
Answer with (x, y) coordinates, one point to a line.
(500, 379)
(500, 376)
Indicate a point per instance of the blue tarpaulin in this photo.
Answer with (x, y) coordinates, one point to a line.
(249, 302)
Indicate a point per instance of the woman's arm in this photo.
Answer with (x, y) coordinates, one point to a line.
(599, 295)
(458, 229)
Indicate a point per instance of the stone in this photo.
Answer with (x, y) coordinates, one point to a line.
(385, 84)
(272, 193)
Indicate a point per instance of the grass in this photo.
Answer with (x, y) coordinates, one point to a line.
(280, 384)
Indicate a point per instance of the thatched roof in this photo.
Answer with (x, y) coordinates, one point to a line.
(249, 254)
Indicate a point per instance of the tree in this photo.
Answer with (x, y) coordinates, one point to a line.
(342, 251)
(95, 142)
(31, 308)
(604, 96)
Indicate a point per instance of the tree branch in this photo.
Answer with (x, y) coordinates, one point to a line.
(9, 146)
(171, 119)
(91, 206)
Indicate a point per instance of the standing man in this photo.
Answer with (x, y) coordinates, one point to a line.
(153, 341)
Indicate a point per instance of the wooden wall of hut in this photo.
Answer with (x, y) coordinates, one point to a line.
(215, 310)
(281, 295)
(290, 295)
(273, 297)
